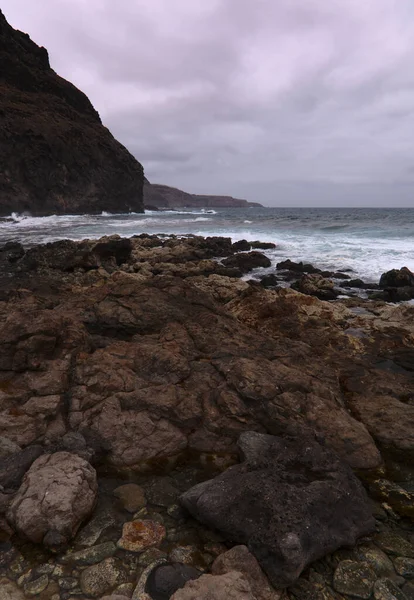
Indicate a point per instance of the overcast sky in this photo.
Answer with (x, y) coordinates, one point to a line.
(305, 102)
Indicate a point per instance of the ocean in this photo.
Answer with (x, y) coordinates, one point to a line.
(368, 241)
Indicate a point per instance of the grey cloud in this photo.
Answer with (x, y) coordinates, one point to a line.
(281, 102)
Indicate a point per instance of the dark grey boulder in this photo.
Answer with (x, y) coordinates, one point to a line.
(397, 278)
(165, 580)
(247, 261)
(291, 502)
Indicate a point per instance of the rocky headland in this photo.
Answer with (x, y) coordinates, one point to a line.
(166, 197)
(56, 157)
(171, 429)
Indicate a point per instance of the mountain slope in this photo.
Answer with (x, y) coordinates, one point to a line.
(55, 154)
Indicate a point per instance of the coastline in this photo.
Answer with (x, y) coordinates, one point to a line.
(147, 357)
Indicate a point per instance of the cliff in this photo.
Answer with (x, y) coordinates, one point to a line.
(163, 196)
(55, 154)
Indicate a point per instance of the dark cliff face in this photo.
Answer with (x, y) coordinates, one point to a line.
(55, 154)
(164, 196)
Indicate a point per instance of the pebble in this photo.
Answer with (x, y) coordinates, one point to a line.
(376, 558)
(139, 535)
(385, 589)
(91, 533)
(98, 579)
(404, 567)
(355, 579)
(90, 556)
(36, 587)
(161, 491)
(150, 556)
(394, 544)
(132, 497)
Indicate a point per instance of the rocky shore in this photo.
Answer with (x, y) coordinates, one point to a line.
(170, 428)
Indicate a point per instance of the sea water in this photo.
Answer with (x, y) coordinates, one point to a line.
(367, 241)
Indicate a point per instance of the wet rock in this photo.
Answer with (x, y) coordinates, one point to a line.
(139, 591)
(99, 579)
(12, 251)
(91, 533)
(231, 586)
(392, 543)
(90, 556)
(262, 245)
(247, 261)
(397, 278)
(376, 559)
(150, 556)
(269, 281)
(241, 246)
(188, 555)
(114, 247)
(132, 496)
(57, 493)
(9, 590)
(395, 496)
(289, 265)
(354, 578)
(316, 285)
(385, 589)
(36, 587)
(140, 535)
(165, 580)
(14, 466)
(404, 567)
(279, 500)
(240, 559)
(161, 491)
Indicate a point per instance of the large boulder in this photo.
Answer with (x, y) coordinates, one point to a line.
(316, 285)
(291, 502)
(247, 261)
(397, 278)
(57, 493)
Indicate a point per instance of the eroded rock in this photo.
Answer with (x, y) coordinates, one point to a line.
(291, 501)
(57, 493)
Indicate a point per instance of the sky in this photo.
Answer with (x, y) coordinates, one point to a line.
(287, 102)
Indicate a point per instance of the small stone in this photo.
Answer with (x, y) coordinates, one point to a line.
(394, 544)
(94, 529)
(188, 555)
(353, 578)
(101, 578)
(139, 592)
(68, 583)
(132, 497)
(165, 580)
(90, 556)
(139, 535)
(46, 569)
(375, 558)
(36, 587)
(404, 567)
(150, 556)
(385, 589)
(126, 589)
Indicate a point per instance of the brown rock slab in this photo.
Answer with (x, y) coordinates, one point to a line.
(231, 586)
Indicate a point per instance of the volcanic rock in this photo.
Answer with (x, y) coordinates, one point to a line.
(291, 501)
(55, 154)
(57, 493)
(397, 278)
(247, 261)
(316, 285)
